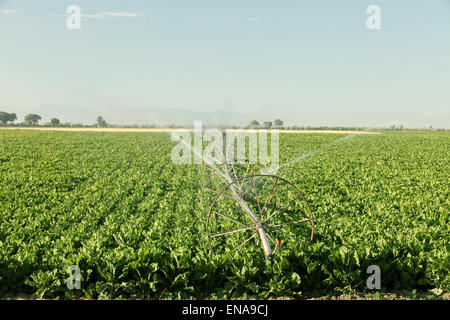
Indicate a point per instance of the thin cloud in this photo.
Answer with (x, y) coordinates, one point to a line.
(8, 11)
(227, 19)
(107, 14)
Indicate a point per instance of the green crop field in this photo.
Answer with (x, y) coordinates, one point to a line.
(116, 206)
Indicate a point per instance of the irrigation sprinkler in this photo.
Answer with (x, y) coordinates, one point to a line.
(245, 209)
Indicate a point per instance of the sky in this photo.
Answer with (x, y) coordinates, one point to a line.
(307, 62)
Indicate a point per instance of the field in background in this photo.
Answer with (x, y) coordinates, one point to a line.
(172, 130)
(115, 205)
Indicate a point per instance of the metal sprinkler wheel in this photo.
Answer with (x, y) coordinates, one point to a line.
(247, 209)
(213, 182)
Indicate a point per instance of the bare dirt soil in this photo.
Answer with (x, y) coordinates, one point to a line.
(401, 295)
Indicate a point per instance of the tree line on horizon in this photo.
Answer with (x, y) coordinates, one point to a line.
(30, 119)
(33, 120)
(8, 119)
(277, 124)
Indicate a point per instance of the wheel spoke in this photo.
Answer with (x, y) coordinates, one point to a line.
(229, 232)
(256, 196)
(277, 202)
(217, 192)
(246, 171)
(254, 235)
(231, 219)
(283, 208)
(236, 178)
(270, 238)
(271, 194)
(234, 171)
(278, 230)
(291, 222)
(220, 177)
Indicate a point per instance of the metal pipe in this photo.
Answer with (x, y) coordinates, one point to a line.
(265, 242)
(259, 227)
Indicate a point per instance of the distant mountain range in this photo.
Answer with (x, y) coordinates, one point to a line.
(138, 115)
(186, 117)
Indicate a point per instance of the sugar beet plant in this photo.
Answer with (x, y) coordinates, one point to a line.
(116, 206)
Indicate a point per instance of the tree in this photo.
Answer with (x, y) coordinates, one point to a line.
(267, 124)
(254, 124)
(12, 117)
(278, 123)
(54, 122)
(5, 117)
(32, 118)
(101, 122)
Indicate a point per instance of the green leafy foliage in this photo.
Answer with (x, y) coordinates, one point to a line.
(115, 205)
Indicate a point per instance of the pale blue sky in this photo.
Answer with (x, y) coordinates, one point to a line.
(307, 62)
